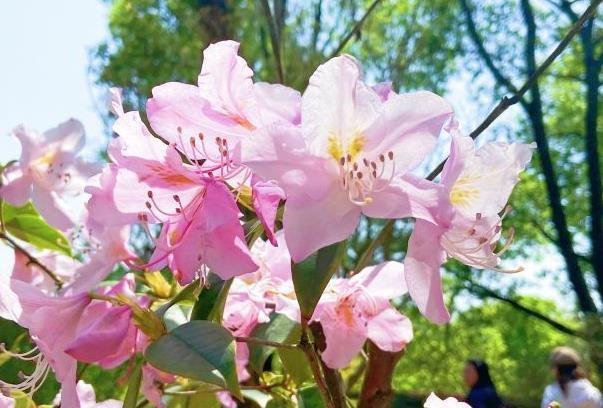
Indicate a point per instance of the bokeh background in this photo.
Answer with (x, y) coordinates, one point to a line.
(60, 57)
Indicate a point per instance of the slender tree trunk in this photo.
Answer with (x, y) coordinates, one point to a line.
(535, 114)
(592, 73)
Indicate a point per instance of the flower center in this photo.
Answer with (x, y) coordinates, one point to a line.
(364, 177)
(30, 382)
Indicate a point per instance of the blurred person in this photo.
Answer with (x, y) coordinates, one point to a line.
(572, 389)
(482, 392)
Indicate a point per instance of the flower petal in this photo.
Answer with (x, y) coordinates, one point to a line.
(422, 270)
(408, 126)
(390, 330)
(313, 224)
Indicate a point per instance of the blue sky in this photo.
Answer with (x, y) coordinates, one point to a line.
(43, 73)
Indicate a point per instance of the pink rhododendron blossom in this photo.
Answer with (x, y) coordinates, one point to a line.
(226, 105)
(149, 183)
(477, 183)
(48, 171)
(105, 333)
(356, 309)
(87, 398)
(30, 308)
(433, 401)
(353, 155)
(253, 297)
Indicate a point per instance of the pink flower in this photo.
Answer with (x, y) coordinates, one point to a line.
(226, 104)
(149, 183)
(433, 401)
(352, 156)
(30, 308)
(209, 234)
(87, 398)
(356, 309)
(477, 185)
(105, 333)
(48, 172)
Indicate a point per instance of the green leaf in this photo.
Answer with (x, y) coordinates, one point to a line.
(280, 329)
(309, 397)
(199, 350)
(211, 301)
(186, 294)
(26, 224)
(131, 397)
(310, 277)
(296, 365)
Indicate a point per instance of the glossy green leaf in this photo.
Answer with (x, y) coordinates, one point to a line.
(199, 350)
(211, 300)
(131, 398)
(310, 277)
(309, 397)
(28, 225)
(280, 329)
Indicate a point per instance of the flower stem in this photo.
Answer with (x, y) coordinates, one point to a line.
(315, 365)
(263, 342)
(33, 260)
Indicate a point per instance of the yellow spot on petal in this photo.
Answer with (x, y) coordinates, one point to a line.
(462, 192)
(337, 150)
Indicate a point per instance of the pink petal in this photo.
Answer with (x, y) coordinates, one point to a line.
(337, 105)
(225, 80)
(313, 224)
(50, 206)
(278, 103)
(390, 330)
(278, 152)
(408, 126)
(406, 196)
(17, 189)
(175, 106)
(266, 197)
(100, 332)
(342, 344)
(385, 280)
(422, 268)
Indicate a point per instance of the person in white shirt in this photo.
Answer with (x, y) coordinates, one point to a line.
(572, 389)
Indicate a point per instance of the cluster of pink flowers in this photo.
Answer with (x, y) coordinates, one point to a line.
(229, 146)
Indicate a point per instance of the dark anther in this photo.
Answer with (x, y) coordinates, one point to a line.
(192, 141)
(176, 198)
(390, 155)
(355, 166)
(179, 129)
(148, 205)
(342, 161)
(365, 161)
(150, 194)
(381, 158)
(359, 175)
(200, 136)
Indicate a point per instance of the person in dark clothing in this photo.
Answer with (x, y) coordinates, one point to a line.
(482, 392)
